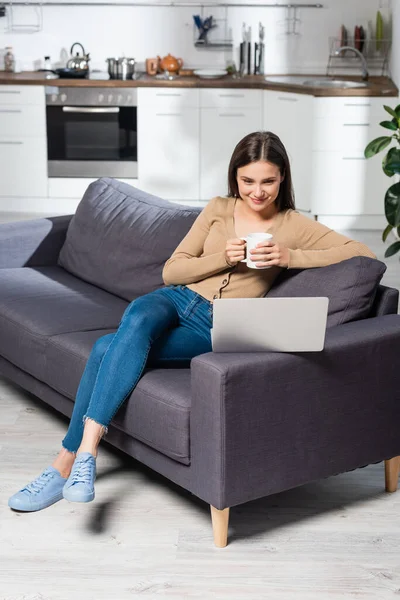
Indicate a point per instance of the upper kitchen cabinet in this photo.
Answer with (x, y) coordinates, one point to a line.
(226, 116)
(168, 142)
(290, 116)
(23, 146)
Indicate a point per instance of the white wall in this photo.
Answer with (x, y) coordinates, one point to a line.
(145, 32)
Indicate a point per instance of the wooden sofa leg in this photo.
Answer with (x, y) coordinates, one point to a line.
(220, 521)
(392, 468)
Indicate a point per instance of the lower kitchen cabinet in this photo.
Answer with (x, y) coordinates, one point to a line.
(220, 130)
(346, 183)
(168, 152)
(23, 166)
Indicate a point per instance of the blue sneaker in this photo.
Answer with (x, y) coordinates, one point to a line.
(80, 484)
(44, 491)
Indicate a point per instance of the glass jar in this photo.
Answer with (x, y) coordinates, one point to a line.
(9, 60)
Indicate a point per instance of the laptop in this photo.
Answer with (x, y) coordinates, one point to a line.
(269, 324)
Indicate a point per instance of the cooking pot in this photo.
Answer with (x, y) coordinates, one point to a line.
(121, 68)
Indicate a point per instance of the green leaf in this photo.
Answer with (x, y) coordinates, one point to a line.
(397, 110)
(391, 162)
(390, 111)
(386, 232)
(376, 146)
(393, 248)
(392, 205)
(398, 231)
(389, 124)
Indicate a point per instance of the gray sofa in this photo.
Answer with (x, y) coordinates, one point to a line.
(227, 427)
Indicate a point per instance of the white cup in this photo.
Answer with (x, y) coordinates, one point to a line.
(251, 242)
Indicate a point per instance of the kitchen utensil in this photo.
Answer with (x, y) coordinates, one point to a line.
(362, 38)
(357, 39)
(261, 32)
(204, 27)
(186, 72)
(343, 36)
(170, 63)
(258, 58)
(210, 73)
(121, 68)
(78, 62)
(245, 58)
(260, 49)
(151, 66)
(126, 68)
(66, 73)
(9, 60)
(198, 22)
(379, 30)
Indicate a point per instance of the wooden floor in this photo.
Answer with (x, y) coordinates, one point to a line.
(338, 538)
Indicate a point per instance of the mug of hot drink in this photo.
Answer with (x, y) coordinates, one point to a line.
(251, 242)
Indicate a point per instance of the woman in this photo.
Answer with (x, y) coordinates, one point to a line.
(173, 323)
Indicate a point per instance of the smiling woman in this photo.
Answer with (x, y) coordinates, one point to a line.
(260, 198)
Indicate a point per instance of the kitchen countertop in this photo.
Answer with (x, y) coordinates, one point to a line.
(378, 86)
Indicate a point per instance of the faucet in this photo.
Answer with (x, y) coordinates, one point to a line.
(364, 67)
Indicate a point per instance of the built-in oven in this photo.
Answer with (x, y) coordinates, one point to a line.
(91, 132)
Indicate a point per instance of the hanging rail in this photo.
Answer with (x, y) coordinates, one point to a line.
(153, 5)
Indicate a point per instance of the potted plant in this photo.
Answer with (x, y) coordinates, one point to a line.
(391, 167)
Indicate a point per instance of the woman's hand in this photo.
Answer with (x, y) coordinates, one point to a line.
(268, 254)
(235, 251)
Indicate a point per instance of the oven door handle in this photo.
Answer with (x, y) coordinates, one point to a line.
(90, 109)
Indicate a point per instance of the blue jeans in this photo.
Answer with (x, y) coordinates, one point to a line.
(168, 326)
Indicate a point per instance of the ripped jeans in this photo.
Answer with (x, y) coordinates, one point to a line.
(163, 328)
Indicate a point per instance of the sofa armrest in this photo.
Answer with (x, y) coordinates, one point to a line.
(35, 243)
(261, 423)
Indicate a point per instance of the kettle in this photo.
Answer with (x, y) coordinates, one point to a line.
(170, 63)
(78, 62)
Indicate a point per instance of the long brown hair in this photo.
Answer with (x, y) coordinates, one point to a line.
(262, 145)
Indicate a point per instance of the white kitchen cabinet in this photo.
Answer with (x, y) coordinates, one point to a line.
(220, 130)
(230, 98)
(169, 98)
(344, 182)
(226, 116)
(22, 94)
(21, 121)
(23, 143)
(23, 167)
(168, 144)
(290, 116)
(348, 184)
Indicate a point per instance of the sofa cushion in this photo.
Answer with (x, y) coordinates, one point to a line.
(350, 285)
(120, 237)
(158, 410)
(36, 303)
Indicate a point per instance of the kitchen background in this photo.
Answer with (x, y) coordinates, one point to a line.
(142, 32)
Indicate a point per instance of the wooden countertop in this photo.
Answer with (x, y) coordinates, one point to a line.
(377, 86)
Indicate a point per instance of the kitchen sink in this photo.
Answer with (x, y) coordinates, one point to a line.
(326, 82)
(334, 83)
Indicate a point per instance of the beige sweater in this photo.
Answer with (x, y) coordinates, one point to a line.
(199, 260)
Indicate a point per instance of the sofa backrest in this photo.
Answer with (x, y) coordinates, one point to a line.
(386, 302)
(351, 286)
(120, 238)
